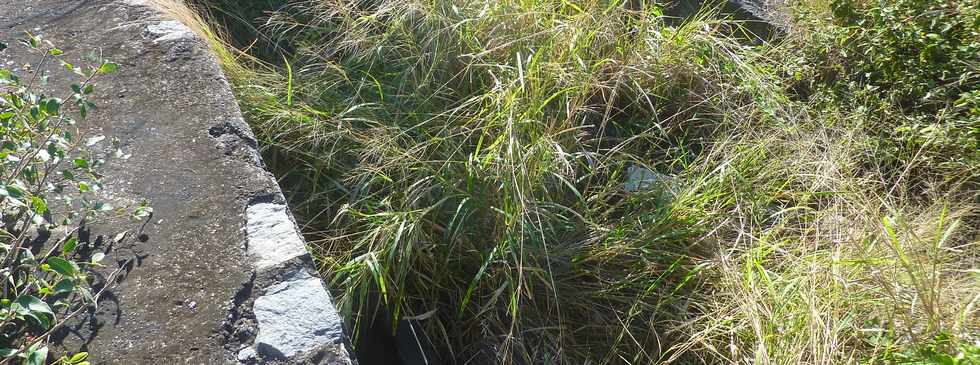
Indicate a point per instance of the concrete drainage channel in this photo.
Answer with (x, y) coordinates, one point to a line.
(223, 276)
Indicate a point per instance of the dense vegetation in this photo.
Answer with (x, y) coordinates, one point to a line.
(594, 181)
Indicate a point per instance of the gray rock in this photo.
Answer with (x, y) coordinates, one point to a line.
(641, 178)
(296, 316)
(246, 354)
(169, 30)
(272, 236)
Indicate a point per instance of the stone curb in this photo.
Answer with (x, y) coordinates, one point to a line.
(284, 314)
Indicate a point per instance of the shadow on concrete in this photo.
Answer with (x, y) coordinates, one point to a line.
(78, 333)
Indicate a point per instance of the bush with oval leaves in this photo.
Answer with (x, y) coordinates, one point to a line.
(49, 183)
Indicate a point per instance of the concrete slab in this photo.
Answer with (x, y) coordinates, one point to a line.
(189, 297)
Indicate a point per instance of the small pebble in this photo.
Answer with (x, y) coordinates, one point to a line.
(246, 354)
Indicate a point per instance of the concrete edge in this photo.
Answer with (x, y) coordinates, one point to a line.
(284, 314)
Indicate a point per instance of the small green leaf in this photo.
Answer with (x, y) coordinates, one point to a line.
(34, 305)
(14, 191)
(39, 205)
(64, 286)
(62, 266)
(14, 195)
(79, 357)
(37, 357)
(53, 106)
(7, 352)
(69, 246)
(143, 211)
(108, 68)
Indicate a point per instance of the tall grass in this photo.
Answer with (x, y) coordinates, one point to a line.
(464, 165)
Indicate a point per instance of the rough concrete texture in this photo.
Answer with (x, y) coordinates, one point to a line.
(188, 296)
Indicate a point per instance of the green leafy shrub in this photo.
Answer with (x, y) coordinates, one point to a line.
(48, 184)
(940, 350)
(913, 66)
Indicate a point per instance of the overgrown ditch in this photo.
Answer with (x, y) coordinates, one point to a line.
(470, 168)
